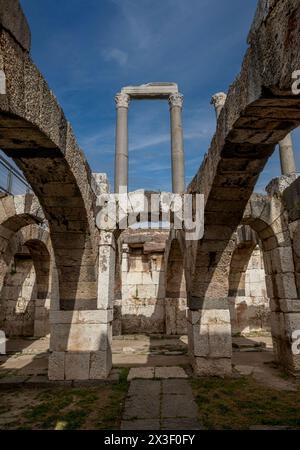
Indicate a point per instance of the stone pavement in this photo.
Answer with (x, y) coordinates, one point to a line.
(160, 402)
(27, 359)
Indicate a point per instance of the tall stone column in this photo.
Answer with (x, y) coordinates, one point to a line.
(178, 177)
(287, 158)
(121, 155)
(218, 100)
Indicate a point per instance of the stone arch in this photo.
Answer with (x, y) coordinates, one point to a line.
(35, 133)
(20, 210)
(16, 212)
(268, 217)
(260, 110)
(175, 301)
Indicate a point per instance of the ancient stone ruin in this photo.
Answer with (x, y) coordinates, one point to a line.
(62, 276)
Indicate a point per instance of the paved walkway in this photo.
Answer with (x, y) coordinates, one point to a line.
(160, 404)
(27, 359)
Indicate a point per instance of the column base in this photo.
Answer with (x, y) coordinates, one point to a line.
(286, 347)
(79, 366)
(210, 342)
(80, 345)
(212, 367)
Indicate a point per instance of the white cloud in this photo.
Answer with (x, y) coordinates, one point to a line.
(116, 55)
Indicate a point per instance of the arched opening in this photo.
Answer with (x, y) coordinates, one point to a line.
(41, 262)
(248, 301)
(280, 276)
(16, 213)
(25, 294)
(18, 296)
(150, 300)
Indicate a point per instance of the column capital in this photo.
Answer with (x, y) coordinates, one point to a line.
(176, 100)
(218, 100)
(122, 100)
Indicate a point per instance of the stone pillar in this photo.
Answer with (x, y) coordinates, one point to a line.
(284, 306)
(80, 340)
(121, 155)
(178, 177)
(209, 336)
(287, 159)
(218, 100)
(209, 321)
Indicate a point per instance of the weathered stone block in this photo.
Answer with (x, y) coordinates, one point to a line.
(146, 291)
(106, 277)
(41, 328)
(13, 19)
(282, 260)
(77, 366)
(147, 278)
(77, 337)
(216, 367)
(176, 316)
(63, 317)
(286, 286)
(56, 368)
(220, 343)
(277, 324)
(291, 322)
(214, 316)
(146, 316)
(134, 278)
(269, 285)
(101, 364)
(287, 305)
(101, 316)
(198, 337)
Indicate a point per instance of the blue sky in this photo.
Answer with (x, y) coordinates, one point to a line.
(88, 49)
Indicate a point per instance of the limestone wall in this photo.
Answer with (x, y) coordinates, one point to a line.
(251, 312)
(17, 304)
(142, 307)
(142, 304)
(27, 265)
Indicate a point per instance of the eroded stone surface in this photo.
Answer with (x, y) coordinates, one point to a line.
(141, 372)
(166, 404)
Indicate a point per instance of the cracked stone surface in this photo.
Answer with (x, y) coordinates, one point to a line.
(156, 372)
(141, 372)
(166, 404)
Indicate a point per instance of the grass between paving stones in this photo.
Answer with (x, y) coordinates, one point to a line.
(64, 408)
(241, 403)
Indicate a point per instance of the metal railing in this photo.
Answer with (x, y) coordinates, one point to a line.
(12, 181)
